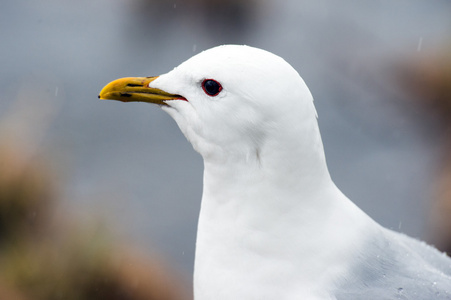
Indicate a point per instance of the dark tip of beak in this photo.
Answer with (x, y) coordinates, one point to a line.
(98, 96)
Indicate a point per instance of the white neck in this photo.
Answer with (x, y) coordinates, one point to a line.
(274, 233)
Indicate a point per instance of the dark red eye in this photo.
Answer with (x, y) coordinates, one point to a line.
(211, 87)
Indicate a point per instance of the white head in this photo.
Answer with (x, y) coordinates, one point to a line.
(261, 95)
(255, 95)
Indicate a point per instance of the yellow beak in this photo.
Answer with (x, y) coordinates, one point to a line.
(136, 89)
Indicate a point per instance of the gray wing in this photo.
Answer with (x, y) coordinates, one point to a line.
(395, 266)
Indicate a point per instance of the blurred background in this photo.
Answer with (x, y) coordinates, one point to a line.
(100, 199)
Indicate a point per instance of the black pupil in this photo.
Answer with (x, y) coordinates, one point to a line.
(212, 87)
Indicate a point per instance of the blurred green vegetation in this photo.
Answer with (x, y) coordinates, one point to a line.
(46, 255)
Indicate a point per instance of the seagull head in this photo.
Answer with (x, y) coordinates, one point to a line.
(227, 100)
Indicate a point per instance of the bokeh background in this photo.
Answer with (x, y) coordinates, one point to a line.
(93, 183)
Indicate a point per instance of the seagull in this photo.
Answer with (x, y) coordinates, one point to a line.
(272, 223)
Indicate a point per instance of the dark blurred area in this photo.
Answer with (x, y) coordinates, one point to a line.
(99, 200)
(427, 78)
(46, 252)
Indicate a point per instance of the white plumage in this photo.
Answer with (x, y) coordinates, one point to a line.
(272, 224)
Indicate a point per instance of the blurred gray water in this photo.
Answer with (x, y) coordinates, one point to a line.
(130, 162)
